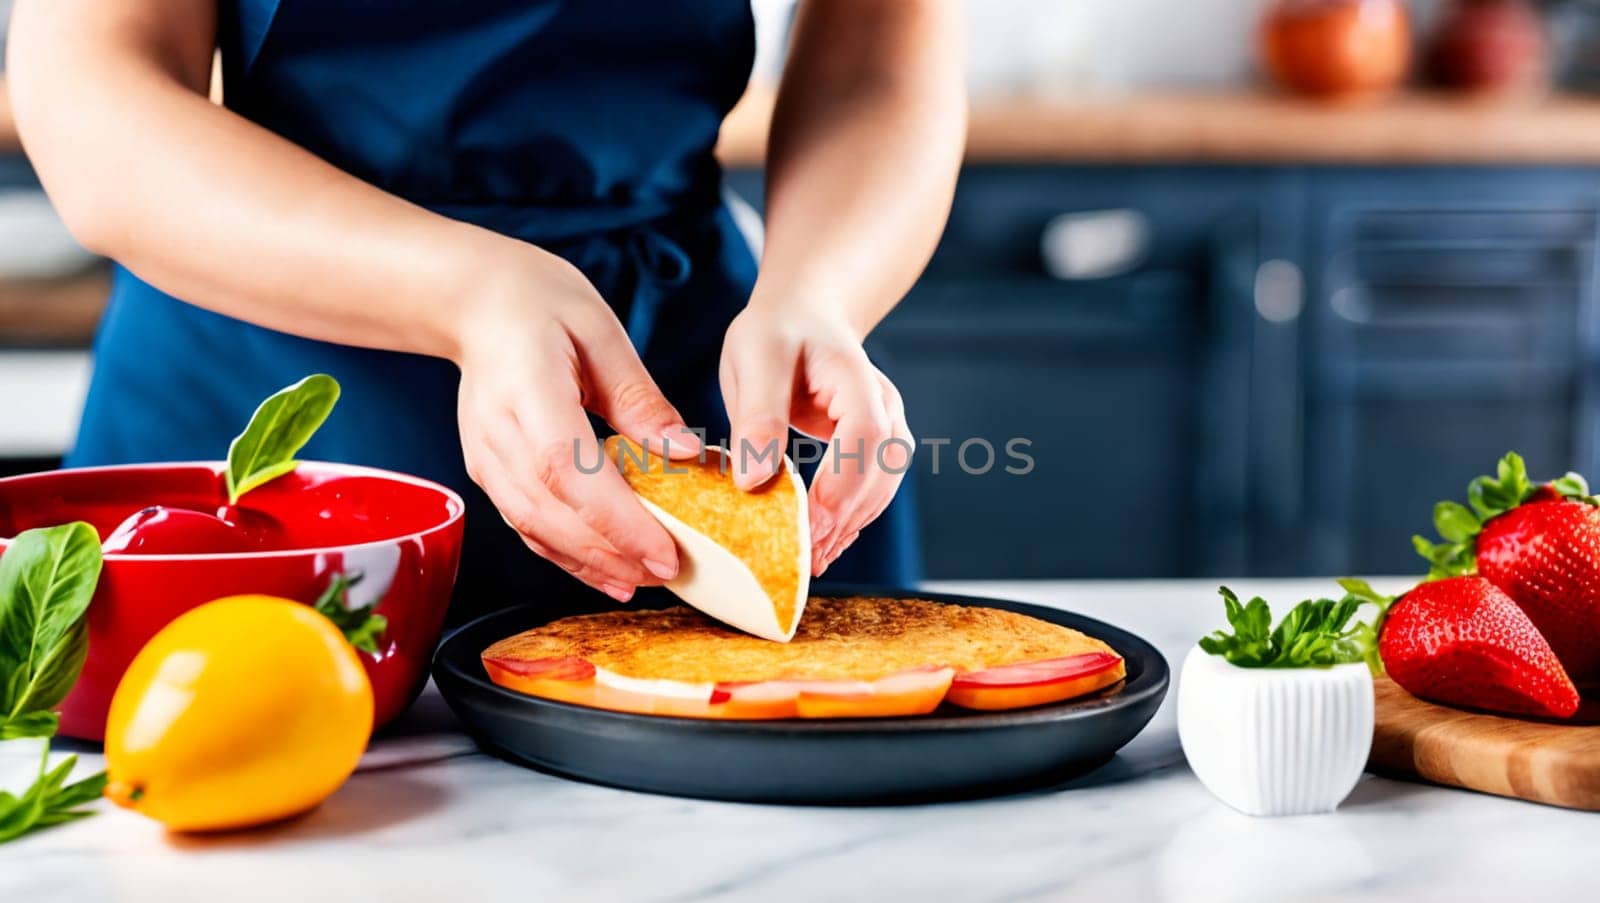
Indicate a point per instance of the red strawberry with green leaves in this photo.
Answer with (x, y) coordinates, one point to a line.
(1462, 641)
(1540, 545)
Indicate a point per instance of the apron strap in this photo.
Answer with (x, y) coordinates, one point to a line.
(255, 20)
(660, 265)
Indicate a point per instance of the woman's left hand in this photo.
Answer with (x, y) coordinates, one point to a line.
(782, 366)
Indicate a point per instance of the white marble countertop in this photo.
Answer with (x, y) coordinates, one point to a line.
(428, 817)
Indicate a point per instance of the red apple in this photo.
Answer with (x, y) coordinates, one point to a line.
(1035, 683)
(159, 530)
(259, 530)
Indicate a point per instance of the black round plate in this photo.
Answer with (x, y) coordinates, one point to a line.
(951, 753)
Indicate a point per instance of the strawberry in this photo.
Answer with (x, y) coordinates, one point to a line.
(1460, 640)
(1540, 545)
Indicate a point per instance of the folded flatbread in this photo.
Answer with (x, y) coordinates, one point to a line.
(745, 557)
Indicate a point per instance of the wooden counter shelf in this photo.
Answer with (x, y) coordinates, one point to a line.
(1251, 127)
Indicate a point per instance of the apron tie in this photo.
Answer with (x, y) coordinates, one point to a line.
(660, 265)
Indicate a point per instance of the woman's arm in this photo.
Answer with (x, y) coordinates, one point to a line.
(866, 142)
(867, 136)
(110, 98)
(8, 125)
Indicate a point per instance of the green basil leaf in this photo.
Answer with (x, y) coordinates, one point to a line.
(58, 670)
(365, 636)
(13, 676)
(265, 475)
(49, 818)
(47, 578)
(279, 428)
(79, 793)
(50, 801)
(1454, 522)
(362, 627)
(29, 724)
(18, 816)
(50, 781)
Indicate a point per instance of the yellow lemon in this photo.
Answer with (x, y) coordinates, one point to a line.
(243, 711)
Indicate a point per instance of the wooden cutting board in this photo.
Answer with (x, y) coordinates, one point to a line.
(1542, 761)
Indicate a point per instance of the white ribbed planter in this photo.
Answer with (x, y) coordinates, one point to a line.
(1275, 741)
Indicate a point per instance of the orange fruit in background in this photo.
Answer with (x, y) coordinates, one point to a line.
(243, 711)
(1337, 49)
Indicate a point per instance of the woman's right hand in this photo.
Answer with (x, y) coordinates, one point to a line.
(537, 347)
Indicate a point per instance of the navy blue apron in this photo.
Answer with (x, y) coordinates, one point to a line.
(585, 128)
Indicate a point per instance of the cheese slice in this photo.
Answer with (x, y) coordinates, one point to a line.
(744, 557)
(672, 689)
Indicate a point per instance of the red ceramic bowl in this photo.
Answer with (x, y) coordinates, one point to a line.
(401, 533)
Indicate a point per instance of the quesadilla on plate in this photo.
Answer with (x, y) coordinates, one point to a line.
(849, 658)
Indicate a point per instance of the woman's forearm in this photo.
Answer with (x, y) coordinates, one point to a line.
(867, 137)
(8, 125)
(110, 97)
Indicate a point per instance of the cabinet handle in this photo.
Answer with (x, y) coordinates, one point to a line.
(1094, 244)
(1279, 291)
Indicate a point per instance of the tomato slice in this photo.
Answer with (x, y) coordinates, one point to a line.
(1036, 683)
(541, 668)
(761, 701)
(565, 683)
(1050, 670)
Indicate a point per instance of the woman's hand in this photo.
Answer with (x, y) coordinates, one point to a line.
(792, 364)
(537, 347)
(867, 135)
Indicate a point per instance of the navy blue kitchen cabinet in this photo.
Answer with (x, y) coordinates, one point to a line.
(1280, 377)
(1452, 320)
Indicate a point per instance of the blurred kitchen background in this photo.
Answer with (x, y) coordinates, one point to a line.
(1260, 281)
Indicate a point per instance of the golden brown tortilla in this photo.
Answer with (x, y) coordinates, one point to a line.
(759, 527)
(858, 638)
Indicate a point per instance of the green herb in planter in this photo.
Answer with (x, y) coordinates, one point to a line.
(1316, 633)
(47, 577)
